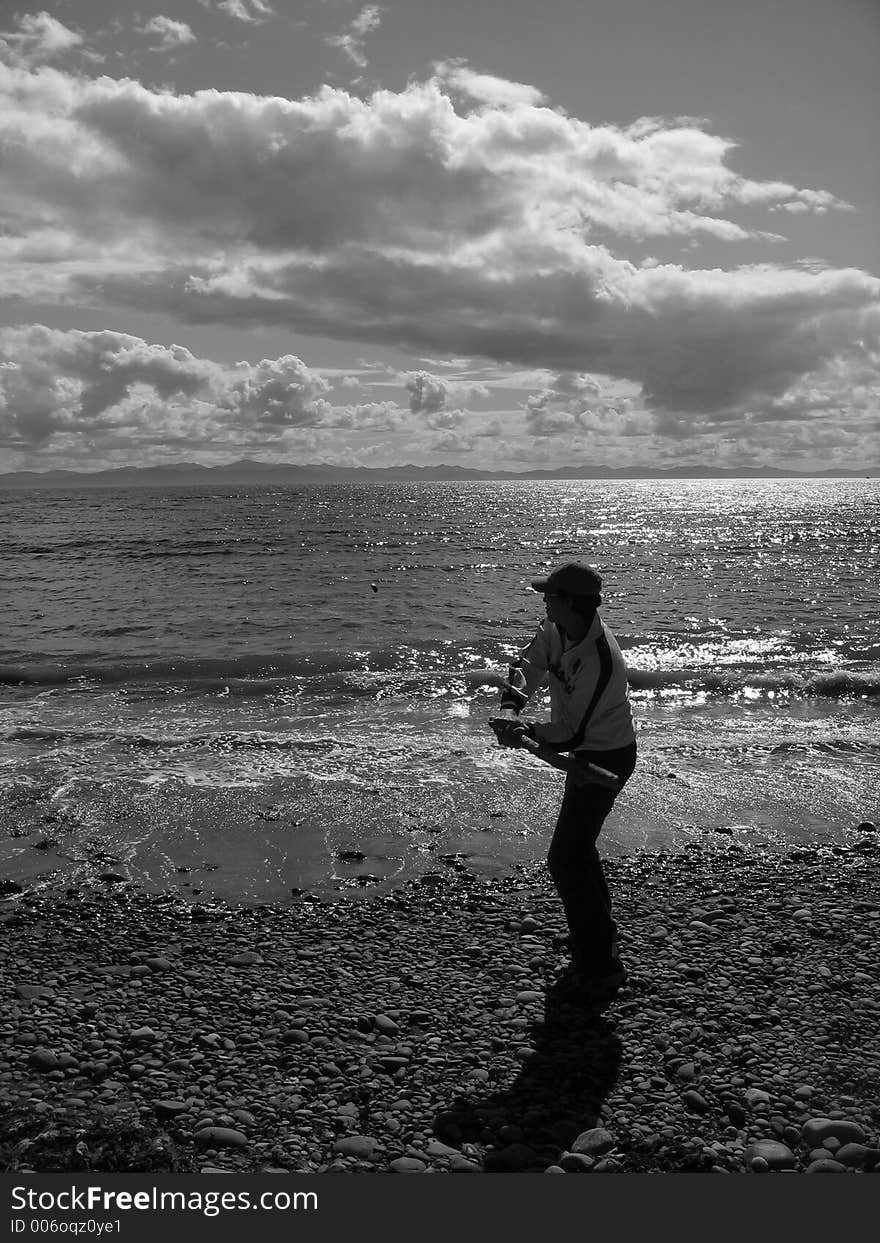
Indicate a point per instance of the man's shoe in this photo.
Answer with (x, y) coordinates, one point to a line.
(613, 981)
(605, 987)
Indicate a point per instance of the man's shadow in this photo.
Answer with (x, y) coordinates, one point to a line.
(558, 1093)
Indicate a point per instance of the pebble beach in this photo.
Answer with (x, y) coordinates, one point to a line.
(423, 1030)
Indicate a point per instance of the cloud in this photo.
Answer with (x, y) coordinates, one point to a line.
(447, 223)
(576, 403)
(171, 34)
(427, 393)
(453, 442)
(95, 392)
(352, 40)
(250, 11)
(484, 88)
(279, 392)
(39, 38)
(54, 381)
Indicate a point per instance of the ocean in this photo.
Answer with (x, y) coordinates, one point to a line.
(250, 694)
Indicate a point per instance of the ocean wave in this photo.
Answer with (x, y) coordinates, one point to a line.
(263, 742)
(249, 740)
(800, 682)
(409, 671)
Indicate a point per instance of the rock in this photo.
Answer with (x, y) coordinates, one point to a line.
(777, 1156)
(407, 1165)
(9, 886)
(170, 1108)
(816, 1130)
(143, 1035)
(867, 826)
(511, 1160)
(248, 958)
(220, 1137)
(529, 994)
(858, 1156)
(593, 1142)
(43, 1059)
(158, 964)
(434, 1148)
(576, 1163)
(459, 1164)
(34, 992)
(756, 1096)
(825, 1165)
(385, 1025)
(687, 1071)
(694, 1101)
(528, 925)
(363, 1146)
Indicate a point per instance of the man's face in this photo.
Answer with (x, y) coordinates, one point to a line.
(561, 611)
(557, 606)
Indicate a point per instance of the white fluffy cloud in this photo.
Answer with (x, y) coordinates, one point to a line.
(170, 33)
(462, 216)
(249, 11)
(352, 40)
(485, 88)
(427, 393)
(576, 403)
(38, 38)
(83, 384)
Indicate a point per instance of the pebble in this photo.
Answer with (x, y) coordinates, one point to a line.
(170, 1108)
(756, 1096)
(459, 1164)
(220, 1137)
(43, 1059)
(513, 1159)
(856, 1155)
(407, 1165)
(594, 1141)
(143, 1035)
(576, 1163)
(816, 1130)
(776, 1156)
(416, 992)
(363, 1146)
(825, 1165)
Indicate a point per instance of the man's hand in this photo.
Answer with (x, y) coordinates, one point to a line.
(509, 733)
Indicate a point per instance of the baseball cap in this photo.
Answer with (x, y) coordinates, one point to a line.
(574, 578)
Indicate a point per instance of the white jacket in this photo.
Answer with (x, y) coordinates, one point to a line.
(575, 672)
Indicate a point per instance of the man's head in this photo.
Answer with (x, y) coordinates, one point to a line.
(575, 583)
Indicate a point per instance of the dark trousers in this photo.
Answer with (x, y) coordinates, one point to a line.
(576, 868)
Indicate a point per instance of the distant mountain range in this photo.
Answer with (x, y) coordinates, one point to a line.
(248, 472)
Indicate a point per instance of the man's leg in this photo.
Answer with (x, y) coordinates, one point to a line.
(577, 873)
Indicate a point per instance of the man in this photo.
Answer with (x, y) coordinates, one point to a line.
(590, 719)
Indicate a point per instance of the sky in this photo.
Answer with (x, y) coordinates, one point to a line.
(488, 233)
